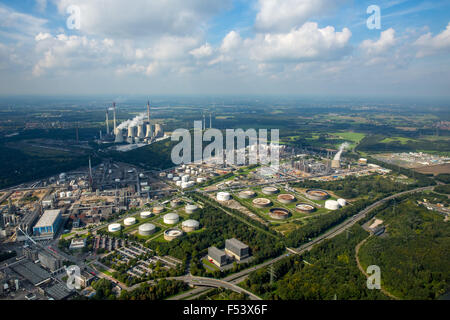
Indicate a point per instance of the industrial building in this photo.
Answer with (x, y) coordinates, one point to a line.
(237, 249)
(48, 224)
(49, 261)
(218, 257)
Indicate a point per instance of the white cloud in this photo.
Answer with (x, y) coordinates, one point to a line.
(231, 41)
(143, 18)
(387, 40)
(307, 43)
(429, 45)
(19, 25)
(282, 15)
(202, 52)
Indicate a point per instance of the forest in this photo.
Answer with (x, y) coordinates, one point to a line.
(414, 257)
(327, 272)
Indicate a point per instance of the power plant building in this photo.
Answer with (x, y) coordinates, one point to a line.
(237, 249)
(48, 224)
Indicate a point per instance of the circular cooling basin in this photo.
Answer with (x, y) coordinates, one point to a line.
(247, 194)
(262, 203)
(190, 225)
(223, 196)
(158, 209)
(114, 227)
(317, 194)
(171, 218)
(129, 221)
(171, 234)
(279, 213)
(147, 229)
(305, 208)
(286, 198)
(146, 214)
(270, 190)
(331, 205)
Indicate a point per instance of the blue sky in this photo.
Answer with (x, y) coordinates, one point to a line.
(225, 47)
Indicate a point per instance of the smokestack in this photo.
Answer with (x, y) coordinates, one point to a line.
(204, 122)
(107, 121)
(148, 111)
(210, 120)
(115, 121)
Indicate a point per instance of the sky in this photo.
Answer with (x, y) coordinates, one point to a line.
(300, 47)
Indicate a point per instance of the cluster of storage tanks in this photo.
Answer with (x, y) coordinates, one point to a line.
(335, 204)
(187, 176)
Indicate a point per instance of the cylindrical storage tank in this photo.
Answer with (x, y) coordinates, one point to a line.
(171, 234)
(305, 208)
(331, 205)
(187, 171)
(247, 194)
(223, 196)
(171, 218)
(286, 198)
(185, 178)
(176, 179)
(170, 176)
(146, 229)
(114, 227)
(269, 190)
(179, 183)
(158, 209)
(184, 185)
(262, 203)
(342, 202)
(146, 214)
(199, 180)
(316, 194)
(162, 174)
(279, 213)
(190, 225)
(69, 194)
(129, 221)
(183, 166)
(176, 202)
(190, 208)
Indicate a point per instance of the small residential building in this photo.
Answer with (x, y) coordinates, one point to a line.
(218, 257)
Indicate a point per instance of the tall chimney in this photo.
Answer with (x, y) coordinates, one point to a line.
(107, 121)
(210, 120)
(115, 122)
(148, 111)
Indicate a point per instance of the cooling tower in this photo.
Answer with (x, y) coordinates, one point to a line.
(149, 132)
(131, 132)
(140, 131)
(158, 131)
(119, 136)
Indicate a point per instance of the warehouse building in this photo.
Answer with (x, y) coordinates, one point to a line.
(237, 249)
(218, 257)
(48, 225)
(32, 272)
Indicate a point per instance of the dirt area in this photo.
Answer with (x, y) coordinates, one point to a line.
(437, 169)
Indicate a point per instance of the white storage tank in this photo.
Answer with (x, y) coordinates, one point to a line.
(176, 178)
(190, 208)
(146, 214)
(62, 194)
(178, 183)
(114, 227)
(147, 229)
(342, 202)
(331, 205)
(185, 178)
(190, 225)
(129, 221)
(171, 218)
(223, 196)
(170, 176)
